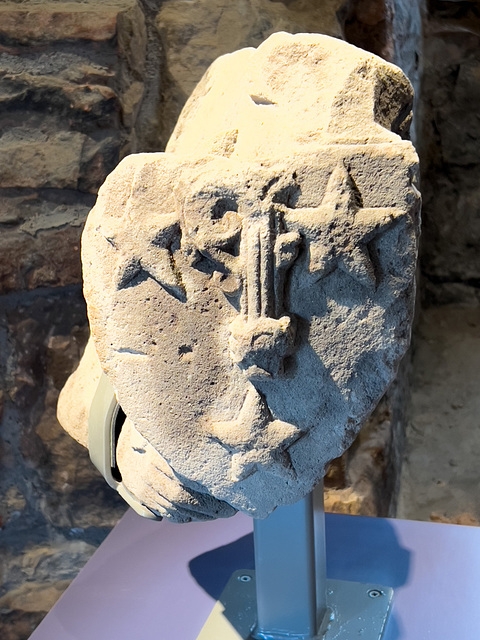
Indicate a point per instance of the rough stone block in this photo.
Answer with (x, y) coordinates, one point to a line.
(450, 259)
(69, 109)
(40, 238)
(195, 33)
(55, 508)
(250, 291)
(69, 82)
(52, 21)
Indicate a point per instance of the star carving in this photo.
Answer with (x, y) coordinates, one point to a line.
(339, 230)
(255, 441)
(148, 253)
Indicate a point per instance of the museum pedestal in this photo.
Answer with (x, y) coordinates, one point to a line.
(159, 581)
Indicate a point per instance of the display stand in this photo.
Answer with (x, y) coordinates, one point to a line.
(159, 581)
(288, 595)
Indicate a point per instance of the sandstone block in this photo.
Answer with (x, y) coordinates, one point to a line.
(51, 21)
(69, 110)
(45, 338)
(250, 291)
(58, 159)
(31, 158)
(195, 33)
(64, 90)
(40, 241)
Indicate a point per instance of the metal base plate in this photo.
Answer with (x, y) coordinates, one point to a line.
(354, 609)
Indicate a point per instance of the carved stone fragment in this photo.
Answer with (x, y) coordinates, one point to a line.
(250, 291)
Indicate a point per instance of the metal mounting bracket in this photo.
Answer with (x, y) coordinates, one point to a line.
(354, 610)
(288, 596)
(101, 442)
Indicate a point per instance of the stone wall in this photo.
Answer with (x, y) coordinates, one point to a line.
(74, 95)
(54, 508)
(451, 153)
(81, 85)
(72, 87)
(440, 472)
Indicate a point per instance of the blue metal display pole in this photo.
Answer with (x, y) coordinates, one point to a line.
(290, 570)
(288, 596)
(320, 556)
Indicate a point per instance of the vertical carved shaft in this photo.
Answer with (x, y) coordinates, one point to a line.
(279, 284)
(251, 240)
(267, 243)
(257, 247)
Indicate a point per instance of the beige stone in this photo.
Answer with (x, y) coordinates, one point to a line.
(77, 393)
(250, 291)
(198, 32)
(42, 255)
(61, 159)
(51, 21)
(194, 33)
(31, 158)
(86, 97)
(33, 596)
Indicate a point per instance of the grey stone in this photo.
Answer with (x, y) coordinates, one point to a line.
(250, 291)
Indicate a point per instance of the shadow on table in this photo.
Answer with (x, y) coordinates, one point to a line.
(367, 550)
(358, 549)
(212, 570)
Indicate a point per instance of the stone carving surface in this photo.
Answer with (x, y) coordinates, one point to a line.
(250, 290)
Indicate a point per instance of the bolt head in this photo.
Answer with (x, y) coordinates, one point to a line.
(245, 578)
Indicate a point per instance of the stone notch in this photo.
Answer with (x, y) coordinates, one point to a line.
(250, 291)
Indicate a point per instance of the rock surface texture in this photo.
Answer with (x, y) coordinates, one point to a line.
(250, 290)
(72, 89)
(450, 258)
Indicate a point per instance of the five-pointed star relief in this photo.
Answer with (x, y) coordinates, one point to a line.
(339, 230)
(148, 252)
(256, 441)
